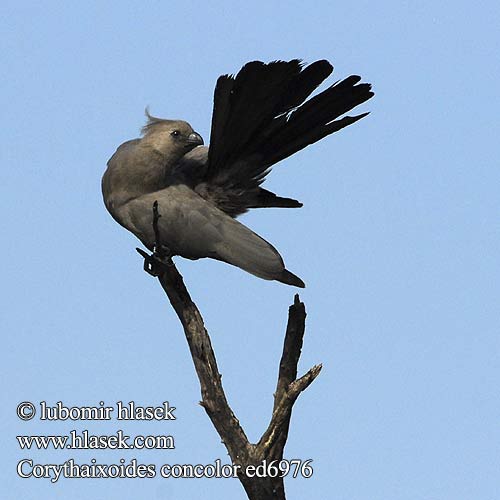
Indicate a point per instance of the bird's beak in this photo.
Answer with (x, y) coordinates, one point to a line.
(195, 139)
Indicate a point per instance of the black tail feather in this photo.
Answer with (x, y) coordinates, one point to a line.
(263, 115)
(267, 199)
(315, 119)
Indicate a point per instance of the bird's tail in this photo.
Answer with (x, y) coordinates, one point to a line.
(313, 120)
(265, 199)
(262, 115)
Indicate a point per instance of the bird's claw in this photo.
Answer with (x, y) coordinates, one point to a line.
(162, 252)
(158, 262)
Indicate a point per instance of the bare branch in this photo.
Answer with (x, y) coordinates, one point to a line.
(272, 443)
(270, 447)
(273, 440)
(291, 348)
(213, 398)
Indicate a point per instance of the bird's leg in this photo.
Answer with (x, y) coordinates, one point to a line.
(158, 262)
(161, 258)
(160, 252)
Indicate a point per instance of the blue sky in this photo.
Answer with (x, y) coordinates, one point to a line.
(398, 242)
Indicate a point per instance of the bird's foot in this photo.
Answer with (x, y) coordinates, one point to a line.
(162, 252)
(158, 262)
(161, 259)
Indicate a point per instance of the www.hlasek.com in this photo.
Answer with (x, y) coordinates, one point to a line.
(69, 469)
(87, 441)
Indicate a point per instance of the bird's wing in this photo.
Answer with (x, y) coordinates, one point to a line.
(262, 116)
(193, 228)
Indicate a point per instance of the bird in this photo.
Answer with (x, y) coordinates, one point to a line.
(261, 115)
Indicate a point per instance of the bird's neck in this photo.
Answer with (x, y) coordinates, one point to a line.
(147, 176)
(168, 157)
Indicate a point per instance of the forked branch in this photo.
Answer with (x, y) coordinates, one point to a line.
(271, 445)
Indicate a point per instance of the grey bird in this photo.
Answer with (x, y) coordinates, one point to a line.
(260, 117)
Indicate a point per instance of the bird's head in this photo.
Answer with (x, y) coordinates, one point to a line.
(172, 138)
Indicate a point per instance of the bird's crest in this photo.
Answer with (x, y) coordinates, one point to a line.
(152, 121)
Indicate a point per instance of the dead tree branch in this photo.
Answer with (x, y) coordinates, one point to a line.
(243, 453)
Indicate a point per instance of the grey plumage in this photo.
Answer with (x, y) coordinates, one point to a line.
(260, 117)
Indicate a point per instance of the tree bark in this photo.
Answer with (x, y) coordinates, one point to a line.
(271, 445)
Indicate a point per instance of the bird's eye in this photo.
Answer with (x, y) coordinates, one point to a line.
(175, 133)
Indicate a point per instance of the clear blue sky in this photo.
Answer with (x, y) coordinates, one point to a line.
(398, 242)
